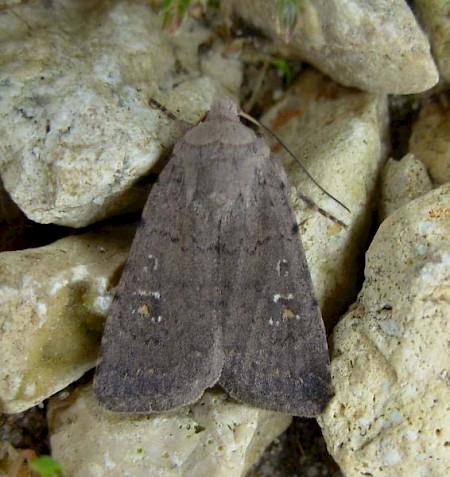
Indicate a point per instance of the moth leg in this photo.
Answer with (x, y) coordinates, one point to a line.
(313, 206)
(183, 125)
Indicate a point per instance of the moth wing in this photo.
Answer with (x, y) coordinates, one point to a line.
(276, 354)
(162, 342)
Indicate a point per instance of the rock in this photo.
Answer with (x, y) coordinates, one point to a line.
(214, 437)
(340, 137)
(430, 139)
(435, 17)
(376, 46)
(390, 360)
(77, 129)
(53, 302)
(401, 182)
(227, 71)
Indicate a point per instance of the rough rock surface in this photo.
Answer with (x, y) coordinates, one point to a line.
(77, 130)
(215, 437)
(376, 46)
(390, 361)
(435, 17)
(430, 139)
(340, 136)
(53, 301)
(401, 182)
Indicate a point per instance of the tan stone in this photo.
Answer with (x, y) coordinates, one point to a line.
(53, 302)
(215, 437)
(77, 130)
(430, 139)
(435, 17)
(376, 46)
(401, 182)
(390, 361)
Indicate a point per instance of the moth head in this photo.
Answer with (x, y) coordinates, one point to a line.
(223, 108)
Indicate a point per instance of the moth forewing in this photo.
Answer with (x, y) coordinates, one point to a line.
(216, 287)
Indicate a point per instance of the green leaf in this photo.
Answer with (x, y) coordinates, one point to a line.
(283, 66)
(175, 11)
(287, 16)
(46, 466)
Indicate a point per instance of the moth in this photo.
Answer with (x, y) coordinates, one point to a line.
(216, 288)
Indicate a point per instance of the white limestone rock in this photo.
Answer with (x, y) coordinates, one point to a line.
(435, 17)
(390, 358)
(53, 302)
(376, 46)
(340, 136)
(401, 182)
(77, 130)
(430, 139)
(215, 437)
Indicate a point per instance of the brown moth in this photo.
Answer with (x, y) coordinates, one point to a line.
(216, 288)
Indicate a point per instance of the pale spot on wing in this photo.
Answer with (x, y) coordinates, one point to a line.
(287, 313)
(143, 310)
(154, 294)
(154, 261)
(277, 297)
(282, 268)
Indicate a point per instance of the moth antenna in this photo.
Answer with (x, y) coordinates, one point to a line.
(257, 123)
(162, 108)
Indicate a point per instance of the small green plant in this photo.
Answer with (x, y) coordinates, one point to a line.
(287, 16)
(175, 11)
(283, 67)
(46, 466)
